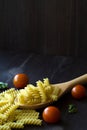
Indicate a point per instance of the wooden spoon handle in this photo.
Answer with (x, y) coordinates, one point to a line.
(79, 80)
(69, 84)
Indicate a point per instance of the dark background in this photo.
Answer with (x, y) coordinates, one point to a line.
(54, 27)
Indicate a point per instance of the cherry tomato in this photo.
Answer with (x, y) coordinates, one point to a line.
(51, 114)
(78, 91)
(20, 80)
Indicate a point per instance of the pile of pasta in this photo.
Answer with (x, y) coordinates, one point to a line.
(41, 93)
(11, 116)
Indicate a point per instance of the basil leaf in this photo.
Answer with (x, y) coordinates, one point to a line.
(3, 85)
(72, 108)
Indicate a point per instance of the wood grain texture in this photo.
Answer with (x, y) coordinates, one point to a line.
(44, 26)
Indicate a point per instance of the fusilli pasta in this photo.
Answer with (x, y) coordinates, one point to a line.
(12, 117)
(42, 92)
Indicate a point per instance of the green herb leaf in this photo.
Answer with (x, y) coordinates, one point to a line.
(3, 85)
(72, 108)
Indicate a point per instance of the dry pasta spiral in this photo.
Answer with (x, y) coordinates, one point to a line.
(42, 92)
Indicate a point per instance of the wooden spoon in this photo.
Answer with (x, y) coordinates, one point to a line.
(64, 87)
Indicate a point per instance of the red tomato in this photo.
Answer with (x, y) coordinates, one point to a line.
(51, 114)
(78, 91)
(20, 80)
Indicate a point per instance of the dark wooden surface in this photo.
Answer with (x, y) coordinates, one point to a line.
(44, 26)
(57, 69)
